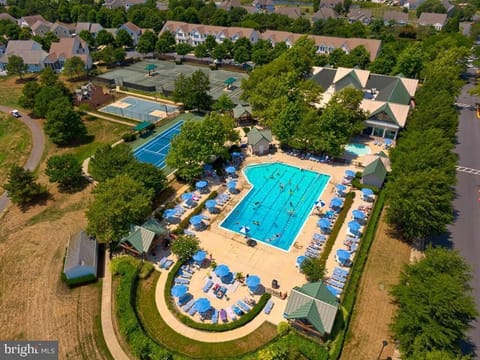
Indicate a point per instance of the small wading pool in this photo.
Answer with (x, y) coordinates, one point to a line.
(357, 149)
(279, 203)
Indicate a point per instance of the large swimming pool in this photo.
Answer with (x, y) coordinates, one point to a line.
(281, 199)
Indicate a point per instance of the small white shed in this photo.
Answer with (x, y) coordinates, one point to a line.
(82, 256)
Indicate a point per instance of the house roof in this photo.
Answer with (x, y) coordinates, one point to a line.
(81, 251)
(377, 168)
(38, 24)
(324, 13)
(132, 27)
(29, 50)
(293, 13)
(250, 9)
(90, 27)
(67, 48)
(32, 19)
(314, 303)
(255, 136)
(162, 6)
(229, 4)
(240, 109)
(397, 16)
(112, 4)
(357, 14)
(140, 239)
(426, 19)
(7, 16)
(330, 3)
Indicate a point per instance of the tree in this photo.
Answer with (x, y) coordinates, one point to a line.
(165, 43)
(410, 61)
(149, 175)
(146, 43)
(184, 247)
(88, 37)
(123, 38)
(118, 202)
(119, 55)
(45, 97)
(22, 188)
(104, 38)
(223, 104)
(108, 161)
(201, 51)
(313, 269)
(435, 304)
(27, 99)
(16, 66)
(193, 91)
(48, 77)
(210, 42)
(65, 170)
(431, 6)
(219, 52)
(74, 66)
(64, 125)
(241, 55)
(183, 49)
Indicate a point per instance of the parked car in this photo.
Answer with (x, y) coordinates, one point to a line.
(15, 113)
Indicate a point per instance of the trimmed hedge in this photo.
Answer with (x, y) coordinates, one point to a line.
(203, 326)
(336, 227)
(186, 222)
(350, 294)
(141, 345)
(129, 137)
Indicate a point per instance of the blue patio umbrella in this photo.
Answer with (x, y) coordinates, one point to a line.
(202, 305)
(179, 290)
(244, 230)
(201, 184)
(341, 187)
(330, 213)
(232, 185)
(354, 226)
(367, 192)
(253, 281)
(301, 259)
(187, 196)
(324, 223)
(169, 213)
(210, 204)
(357, 214)
(199, 256)
(222, 270)
(190, 203)
(236, 153)
(230, 169)
(343, 256)
(350, 173)
(196, 220)
(336, 202)
(388, 142)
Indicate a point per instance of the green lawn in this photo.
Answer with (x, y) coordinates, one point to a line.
(15, 145)
(161, 333)
(10, 91)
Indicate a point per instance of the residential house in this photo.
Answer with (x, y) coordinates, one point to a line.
(264, 5)
(227, 5)
(292, 12)
(7, 16)
(133, 30)
(82, 257)
(387, 100)
(312, 308)
(195, 34)
(259, 141)
(324, 13)
(374, 173)
(438, 21)
(28, 21)
(29, 50)
(250, 9)
(40, 28)
(162, 6)
(114, 4)
(93, 28)
(67, 48)
(60, 30)
(465, 27)
(330, 3)
(396, 17)
(361, 15)
(141, 238)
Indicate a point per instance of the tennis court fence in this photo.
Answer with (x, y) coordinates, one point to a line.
(131, 114)
(147, 88)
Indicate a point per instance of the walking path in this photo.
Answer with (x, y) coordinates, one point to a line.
(108, 118)
(107, 324)
(38, 139)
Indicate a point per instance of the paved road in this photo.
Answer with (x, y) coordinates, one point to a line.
(37, 148)
(465, 232)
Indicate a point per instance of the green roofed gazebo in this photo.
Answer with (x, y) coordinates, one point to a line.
(229, 81)
(150, 68)
(140, 239)
(312, 308)
(142, 126)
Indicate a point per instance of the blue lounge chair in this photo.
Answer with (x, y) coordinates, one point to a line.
(339, 278)
(207, 286)
(182, 281)
(184, 274)
(311, 254)
(215, 316)
(162, 262)
(334, 291)
(243, 306)
(182, 300)
(336, 283)
(268, 308)
(340, 270)
(192, 311)
(237, 310)
(188, 305)
(167, 264)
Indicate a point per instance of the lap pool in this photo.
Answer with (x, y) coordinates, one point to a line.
(278, 204)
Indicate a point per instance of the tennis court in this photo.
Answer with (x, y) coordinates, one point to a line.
(155, 151)
(139, 109)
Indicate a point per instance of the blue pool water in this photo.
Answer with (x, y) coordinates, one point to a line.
(155, 151)
(278, 204)
(357, 149)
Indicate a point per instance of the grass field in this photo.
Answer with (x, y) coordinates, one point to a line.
(15, 145)
(163, 334)
(10, 91)
(374, 309)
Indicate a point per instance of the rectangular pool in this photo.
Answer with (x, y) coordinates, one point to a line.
(279, 203)
(139, 109)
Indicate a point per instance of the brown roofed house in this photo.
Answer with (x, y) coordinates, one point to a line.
(397, 17)
(291, 12)
(438, 21)
(67, 48)
(324, 13)
(362, 15)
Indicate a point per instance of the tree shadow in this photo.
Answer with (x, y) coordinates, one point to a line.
(39, 199)
(80, 185)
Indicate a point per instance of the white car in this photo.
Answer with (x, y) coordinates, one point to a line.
(15, 113)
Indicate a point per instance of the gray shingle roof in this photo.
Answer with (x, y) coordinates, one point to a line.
(432, 19)
(29, 50)
(81, 251)
(255, 136)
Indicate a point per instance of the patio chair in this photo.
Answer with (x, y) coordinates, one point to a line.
(187, 269)
(162, 262)
(184, 274)
(314, 250)
(336, 283)
(180, 281)
(243, 306)
(310, 254)
(268, 308)
(319, 237)
(344, 271)
(237, 310)
(215, 317)
(339, 278)
(223, 315)
(231, 314)
(207, 286)
(192, 311)
(339, 273)
(315, 245)
(182, 300)
(189, 232)
(188, 305)
(167, 264)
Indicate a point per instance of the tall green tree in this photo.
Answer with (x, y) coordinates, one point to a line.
(123, 38)
(117, 203)
(64, 125)
(146, 43)
(410, 61)
(108, 161)
(65, 170)
(104, 38)
(22, 188)
(165, 43)
(223, 104)
(27, 99)
(74, 67)
(45, 97)
(435, 305)
(184, 247)
(193, 91)
(16, 66)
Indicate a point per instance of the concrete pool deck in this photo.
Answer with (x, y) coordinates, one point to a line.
(263, 260)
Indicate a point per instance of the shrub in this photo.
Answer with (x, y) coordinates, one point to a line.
(313, 268)
(151, 127)
(129, 137)
(146, 270)
(282, 328)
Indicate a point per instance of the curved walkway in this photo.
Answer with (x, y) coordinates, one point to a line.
(199, 335)
(38, 140)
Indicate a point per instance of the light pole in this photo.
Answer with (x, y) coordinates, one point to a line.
(384, 343)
